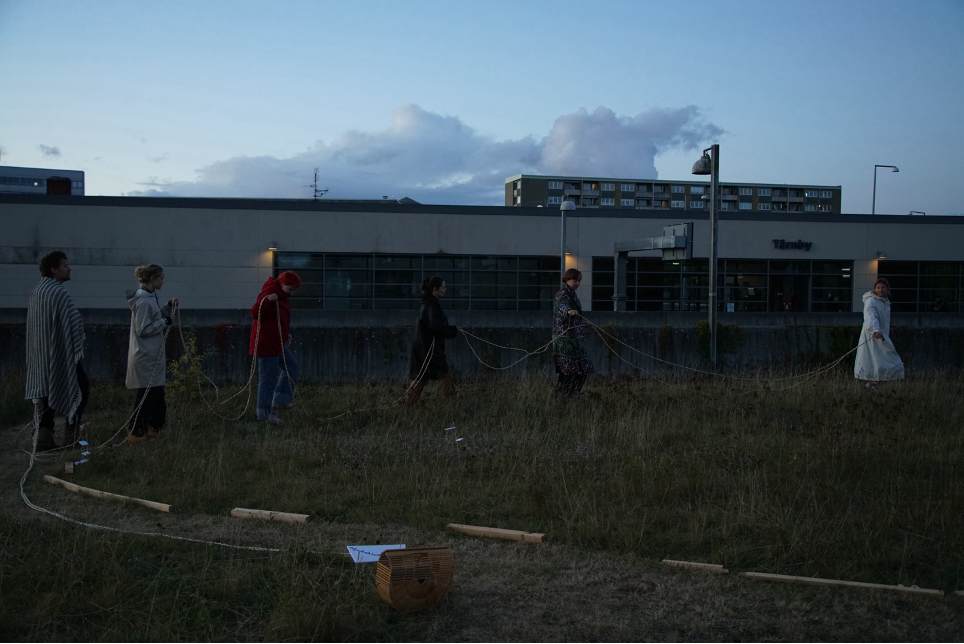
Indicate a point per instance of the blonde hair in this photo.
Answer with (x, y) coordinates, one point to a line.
(147, 272)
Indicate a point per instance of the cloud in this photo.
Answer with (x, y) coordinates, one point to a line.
(49, 151)
(439, 159)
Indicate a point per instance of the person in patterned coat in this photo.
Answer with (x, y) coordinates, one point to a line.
(56, 381)
(572, 362)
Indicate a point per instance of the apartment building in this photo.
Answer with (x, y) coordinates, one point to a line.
(644, 194)
(15, 180)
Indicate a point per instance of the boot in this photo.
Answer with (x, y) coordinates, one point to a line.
(45, 439)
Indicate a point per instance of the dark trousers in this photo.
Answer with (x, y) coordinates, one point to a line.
(47, 418)
(152, 413)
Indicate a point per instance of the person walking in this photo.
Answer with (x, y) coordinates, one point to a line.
(56, 380)
(572, 362)
(270, 339)
(432, 328)
(146, 353)
(877, 360)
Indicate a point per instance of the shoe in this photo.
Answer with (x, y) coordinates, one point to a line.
(271, 418)
(152, 433)
(277, 407)
(873, 386)
(133, 439)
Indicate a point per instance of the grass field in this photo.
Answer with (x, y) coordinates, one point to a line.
(815, 478)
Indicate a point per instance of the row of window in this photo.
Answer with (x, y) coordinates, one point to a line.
(32, 182)
(693, 204)
(592, 186)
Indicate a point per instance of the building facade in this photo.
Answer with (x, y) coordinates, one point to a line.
(637, 194)
(370, 256)
(36, 181)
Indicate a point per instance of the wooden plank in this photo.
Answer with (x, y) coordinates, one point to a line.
(108, 496)
(714, 568)
(498, 533)
(269, 515)
(817, 581)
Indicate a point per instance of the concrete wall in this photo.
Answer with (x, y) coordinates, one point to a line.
(348, 346)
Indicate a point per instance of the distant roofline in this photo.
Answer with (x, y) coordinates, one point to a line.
(516, 177)
(387, 206)
(37, 170)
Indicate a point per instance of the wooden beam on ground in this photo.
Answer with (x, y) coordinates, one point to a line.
(108, 496)
(817, 581)
(269, 515)
(498, 533)
(696, 565)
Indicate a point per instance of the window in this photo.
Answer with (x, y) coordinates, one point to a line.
(811, 207)
(763, 206)
(607, 201)
(727, 205)
(763, 192)
(608, 187)
(678, 204)
(642, 203)
(826, 194)
(590, 186)
(627, 203)
(746, 192)
(554, 200)
(679, 189)
(696, 203)
(660, 203)
(810, 193)
(555, 185)
(696, 190)
(746, 205)
(627, 187)
(590, 201)
(659, 189)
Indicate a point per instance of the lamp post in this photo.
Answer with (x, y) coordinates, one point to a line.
(567, 204)
(917, 212)
(710, 164)
(873, 205)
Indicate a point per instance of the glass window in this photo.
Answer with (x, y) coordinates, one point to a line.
(678, 204)
(763, 206)
(679, 189)
(746, 205)
(696, 203)
(607, 201)
(763, 192)
(555, 185)
(746, 191)
(607, 187)
(696, 190)
(627, 203)
(627, 187)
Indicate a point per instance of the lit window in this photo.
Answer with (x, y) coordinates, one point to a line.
(810, 193)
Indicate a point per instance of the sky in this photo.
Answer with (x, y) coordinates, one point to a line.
(441, 101)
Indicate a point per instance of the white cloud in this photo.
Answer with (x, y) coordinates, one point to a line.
(49, 151)
(438, 159)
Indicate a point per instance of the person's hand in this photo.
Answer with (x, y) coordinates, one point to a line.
(573, 312)
(174, 302)
(272, 298)
(878, 335)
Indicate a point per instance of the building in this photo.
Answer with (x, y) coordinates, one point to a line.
(37, 181)
(595, 192)
(369, 256)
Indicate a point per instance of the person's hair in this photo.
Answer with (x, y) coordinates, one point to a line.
(51, 261)
(289, 278)
(572, 274)
(430, 284)
(882, 280)
(147, 272)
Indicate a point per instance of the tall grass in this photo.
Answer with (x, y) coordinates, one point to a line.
(820, 479)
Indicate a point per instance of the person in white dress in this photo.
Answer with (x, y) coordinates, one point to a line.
(877, 360)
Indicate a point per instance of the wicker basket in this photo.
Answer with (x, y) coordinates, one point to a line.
(414, 579)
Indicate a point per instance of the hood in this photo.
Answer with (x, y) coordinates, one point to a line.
(870, 294)
(133, 295)
(270, 286)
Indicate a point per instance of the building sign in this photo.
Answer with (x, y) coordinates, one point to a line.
(783, 244)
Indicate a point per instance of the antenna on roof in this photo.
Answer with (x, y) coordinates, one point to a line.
(318, 192)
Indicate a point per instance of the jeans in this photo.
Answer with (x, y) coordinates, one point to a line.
(274, 386)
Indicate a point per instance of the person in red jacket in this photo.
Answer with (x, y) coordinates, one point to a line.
(277, 367)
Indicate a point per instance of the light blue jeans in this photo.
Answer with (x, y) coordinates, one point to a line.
(274, 386)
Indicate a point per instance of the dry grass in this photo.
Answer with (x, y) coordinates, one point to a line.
(821, 479)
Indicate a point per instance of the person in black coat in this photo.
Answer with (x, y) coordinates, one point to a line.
(428, 346)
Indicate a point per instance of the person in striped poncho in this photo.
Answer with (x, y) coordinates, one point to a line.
(56, 380)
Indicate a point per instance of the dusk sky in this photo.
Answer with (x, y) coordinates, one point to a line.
(441, 101)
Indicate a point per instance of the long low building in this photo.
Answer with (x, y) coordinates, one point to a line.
(373, 255)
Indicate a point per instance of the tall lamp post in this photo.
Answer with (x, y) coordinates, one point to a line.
(567, 204)
(873, 205)
(710, 164)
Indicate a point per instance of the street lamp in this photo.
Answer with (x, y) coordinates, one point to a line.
(567, 204)
(917, 212)
(873, 206)
(710, 165)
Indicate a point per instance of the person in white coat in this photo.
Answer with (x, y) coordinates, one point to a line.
(146, 357)
(877, 360)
